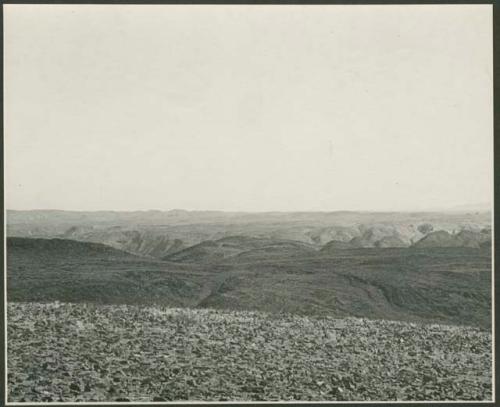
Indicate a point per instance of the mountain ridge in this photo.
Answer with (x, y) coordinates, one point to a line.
(154, 235)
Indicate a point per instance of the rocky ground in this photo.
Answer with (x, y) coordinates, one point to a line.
(83, 352)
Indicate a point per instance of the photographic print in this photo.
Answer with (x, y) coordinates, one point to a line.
(244, 203)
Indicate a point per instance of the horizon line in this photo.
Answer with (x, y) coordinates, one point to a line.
(432, 210)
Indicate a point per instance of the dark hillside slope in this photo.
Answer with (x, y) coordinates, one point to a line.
(66, 270)
(49, 248)
(447, 285)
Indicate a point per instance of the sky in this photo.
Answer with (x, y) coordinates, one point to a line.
(248, 108)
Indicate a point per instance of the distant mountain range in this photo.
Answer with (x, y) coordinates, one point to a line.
(159, 234)
(477, 207)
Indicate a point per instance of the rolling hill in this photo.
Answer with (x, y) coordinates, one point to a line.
(241, 246)
(464, 238)
(141, 242)
(437, 284)
(441, 238)
(67, 270)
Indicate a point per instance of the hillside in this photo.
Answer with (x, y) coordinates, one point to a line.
(446, 285)
(451, 285)
(49, 249)
(382, 238)
(66, 270)
(465, 238)
(141, 242)
(241, 246)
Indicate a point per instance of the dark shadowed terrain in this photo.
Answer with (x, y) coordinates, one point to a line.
(448, 285)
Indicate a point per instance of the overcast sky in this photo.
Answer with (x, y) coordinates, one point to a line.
(249, 108)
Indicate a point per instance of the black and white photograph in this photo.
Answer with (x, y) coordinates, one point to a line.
(216, 203)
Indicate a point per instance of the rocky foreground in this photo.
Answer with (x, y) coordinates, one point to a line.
(83, 352)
